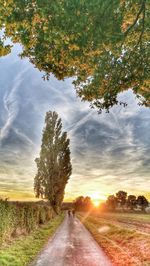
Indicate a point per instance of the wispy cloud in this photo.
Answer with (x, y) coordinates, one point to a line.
(109, 151)
(11, 105)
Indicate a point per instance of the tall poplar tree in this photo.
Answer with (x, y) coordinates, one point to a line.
(53, 165)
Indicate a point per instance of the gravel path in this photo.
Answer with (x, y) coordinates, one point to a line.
(72, 245)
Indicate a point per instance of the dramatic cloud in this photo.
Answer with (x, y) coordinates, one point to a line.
(109, 151)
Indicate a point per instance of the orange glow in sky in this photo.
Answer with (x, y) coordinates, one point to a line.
(97, 198)
(96, 203)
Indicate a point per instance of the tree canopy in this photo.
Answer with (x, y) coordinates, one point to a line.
(53, 165)
(103, 45)
(121, 199)
(83, 203)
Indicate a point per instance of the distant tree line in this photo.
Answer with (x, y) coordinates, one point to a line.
(120, 201)
(83, 203)
(123, 201)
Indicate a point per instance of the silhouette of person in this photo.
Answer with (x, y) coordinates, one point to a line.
(73, 213)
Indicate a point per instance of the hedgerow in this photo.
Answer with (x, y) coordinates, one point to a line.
(21, 218)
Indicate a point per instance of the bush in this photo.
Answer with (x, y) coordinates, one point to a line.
(7, 219)
(20, 217)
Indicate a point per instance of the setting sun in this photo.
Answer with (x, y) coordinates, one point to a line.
(96, 198)
(96, 203)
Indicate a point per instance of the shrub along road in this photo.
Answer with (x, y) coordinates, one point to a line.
(22, 251)
(72, 245)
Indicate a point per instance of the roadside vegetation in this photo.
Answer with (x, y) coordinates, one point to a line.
(24, 249)
(24, 227)
(18, 218)
(122, 236)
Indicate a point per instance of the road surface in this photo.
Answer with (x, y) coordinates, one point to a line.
(72, 245)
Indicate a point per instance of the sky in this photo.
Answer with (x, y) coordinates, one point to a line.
(109, 151)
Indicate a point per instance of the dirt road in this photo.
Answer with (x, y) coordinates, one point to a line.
(72, 245)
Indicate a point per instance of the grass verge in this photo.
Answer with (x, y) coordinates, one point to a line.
(24, 249)
(124, 247)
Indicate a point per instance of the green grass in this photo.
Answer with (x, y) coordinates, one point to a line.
(23, 250)
(122, 245)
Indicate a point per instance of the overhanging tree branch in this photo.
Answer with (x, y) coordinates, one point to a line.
(142, 8)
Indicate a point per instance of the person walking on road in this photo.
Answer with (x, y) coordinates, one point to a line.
(73, 213)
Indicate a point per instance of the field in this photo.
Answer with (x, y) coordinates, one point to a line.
(124, 237)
